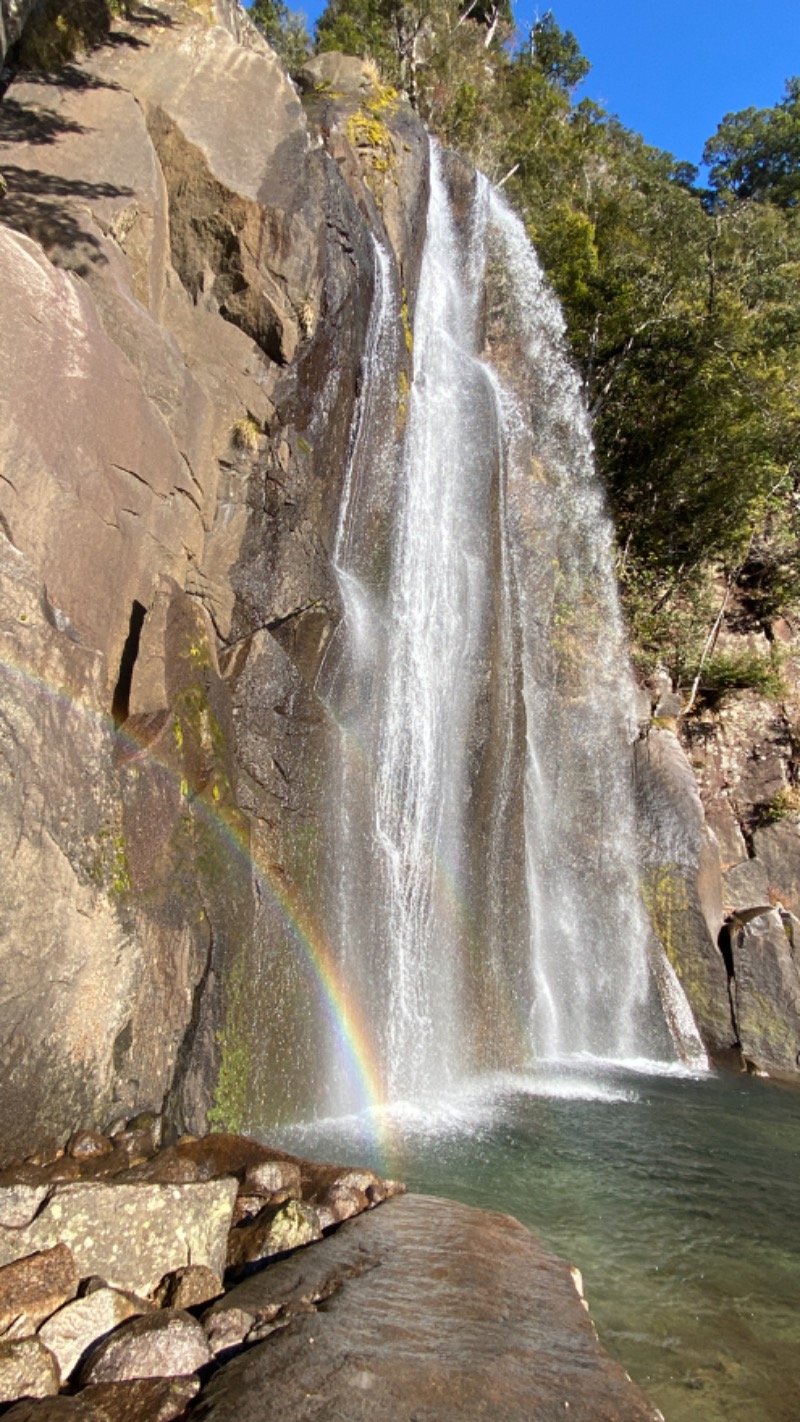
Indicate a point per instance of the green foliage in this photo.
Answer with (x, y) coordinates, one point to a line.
(725, 672)
(286, 30)
(57, 32)
(783, 805)
(556, 54)
(245, 434)
(682, 305)
(756, 153)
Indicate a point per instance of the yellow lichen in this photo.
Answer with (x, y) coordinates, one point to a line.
(367, 129)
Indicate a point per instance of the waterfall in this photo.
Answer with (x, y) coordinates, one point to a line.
(487, 906)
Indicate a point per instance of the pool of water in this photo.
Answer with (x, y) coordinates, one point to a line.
(677, 1196)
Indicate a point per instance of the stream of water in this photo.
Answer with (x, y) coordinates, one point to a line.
(486, 919)
(677, 1196)
(486, 909)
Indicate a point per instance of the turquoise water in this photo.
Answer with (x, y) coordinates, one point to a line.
(677, 1197)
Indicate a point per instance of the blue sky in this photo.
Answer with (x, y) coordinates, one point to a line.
(672, 70)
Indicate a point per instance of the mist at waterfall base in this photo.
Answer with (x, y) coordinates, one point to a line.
(677, 1196)
(506, 1029)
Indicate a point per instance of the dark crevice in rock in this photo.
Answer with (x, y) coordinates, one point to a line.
(122, 1045)
(6, 528)
(276, 622)
(120, 702)
(186, 1051)
(725, 945)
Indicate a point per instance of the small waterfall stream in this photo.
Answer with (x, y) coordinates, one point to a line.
(488, 912)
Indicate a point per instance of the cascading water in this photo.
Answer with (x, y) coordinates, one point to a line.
(488, 910)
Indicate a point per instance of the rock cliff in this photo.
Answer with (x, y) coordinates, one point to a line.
(186, 279)
(186, 272)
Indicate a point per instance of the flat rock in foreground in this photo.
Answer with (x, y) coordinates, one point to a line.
(429, 1310)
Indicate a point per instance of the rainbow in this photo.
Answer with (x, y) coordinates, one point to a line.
(342, 1010)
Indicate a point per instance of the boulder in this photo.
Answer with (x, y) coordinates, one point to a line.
(88, 1145)
(27, 1369)
(19, 1203)
(275, 1230)
(132, 1235)
(189, 1287)
(74, 1329)
(167, 1343)
(431, 1309)
(32, 1288)
(140, 1400)
(766, 988)
(270, 1178)
(228, 1329)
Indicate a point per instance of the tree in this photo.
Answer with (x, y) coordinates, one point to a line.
(756, 153)
(556, 54)
(284, 29)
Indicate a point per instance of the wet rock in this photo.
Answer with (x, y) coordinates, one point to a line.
(88, 1143)
(320, 1180)
(682, 881)
(27, 1369)
(341, 1202)
(19, 1204)
(247, 1206)
(189, 1287)
(766, 992)
(150, 1123)
(168, 1343)
(131, 1235)
(34, 1287)
(165, 1168)
(224, 1153)
(275, 1230)
(71, 1332)
(273, 1177)
(431, 1309)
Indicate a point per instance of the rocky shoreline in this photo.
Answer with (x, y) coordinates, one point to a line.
(142, 1282)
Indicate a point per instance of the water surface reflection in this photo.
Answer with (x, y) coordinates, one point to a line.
(677, 1196)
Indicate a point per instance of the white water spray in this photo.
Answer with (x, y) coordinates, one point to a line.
(489, 911)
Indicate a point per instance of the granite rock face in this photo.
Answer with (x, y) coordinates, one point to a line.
(74, 1329)
(33, 1287)
(426, 1308)
(682, 881)
(131, 1235)
(765, 968)
(185, 279)
(169, 1343)
(27, 1369)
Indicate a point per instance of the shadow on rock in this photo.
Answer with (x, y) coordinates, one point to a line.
(19, 123)
(33, 203)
